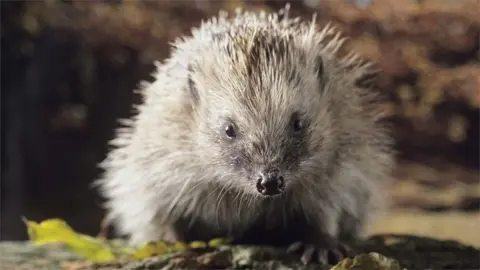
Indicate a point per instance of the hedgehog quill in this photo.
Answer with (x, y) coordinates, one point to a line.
(252, 129)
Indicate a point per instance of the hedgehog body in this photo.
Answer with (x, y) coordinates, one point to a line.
(253, 129)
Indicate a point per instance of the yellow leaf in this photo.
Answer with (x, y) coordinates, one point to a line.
(180, 246)
(145, 251)
(162, 247)
(217, 242)
(151, 249)
(197, 244)
(57, 231)
(373, 261)
(120, 247)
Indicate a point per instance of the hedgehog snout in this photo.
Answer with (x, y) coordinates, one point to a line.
(270, 182)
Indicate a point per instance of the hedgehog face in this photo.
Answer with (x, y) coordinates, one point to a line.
(260, 116)
(264, 150)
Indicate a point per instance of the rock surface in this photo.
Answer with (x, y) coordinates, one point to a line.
(411, 252)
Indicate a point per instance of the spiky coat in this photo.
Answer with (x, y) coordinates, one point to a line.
(168, 177)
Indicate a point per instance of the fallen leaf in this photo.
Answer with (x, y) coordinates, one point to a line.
(197, 244)
(99, 250)
(370, 261)
(57, 231)
(217, 242)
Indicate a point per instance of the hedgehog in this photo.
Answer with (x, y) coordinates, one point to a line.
(254, 129)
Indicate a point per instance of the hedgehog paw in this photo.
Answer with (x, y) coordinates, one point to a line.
(326, 253)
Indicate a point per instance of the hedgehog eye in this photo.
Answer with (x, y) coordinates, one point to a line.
(230, 131)
(297, 123)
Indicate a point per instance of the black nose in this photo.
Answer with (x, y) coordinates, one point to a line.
(270, 183)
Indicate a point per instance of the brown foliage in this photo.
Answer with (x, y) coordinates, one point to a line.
(427, 51)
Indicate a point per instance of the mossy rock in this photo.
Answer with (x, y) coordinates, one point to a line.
(382, 252)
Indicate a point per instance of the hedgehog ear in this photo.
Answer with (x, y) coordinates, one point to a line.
(366, 79)
(192, 87)
(319, 66)
(320, 70)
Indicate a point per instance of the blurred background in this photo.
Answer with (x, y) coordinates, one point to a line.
(69, 68)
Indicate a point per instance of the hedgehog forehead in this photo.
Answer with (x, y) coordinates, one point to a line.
(263, 61)
(258, 72)
(264, 70)
(255, 48)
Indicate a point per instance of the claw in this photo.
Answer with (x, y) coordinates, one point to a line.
(345, 249)
(307, 254)
(294, 247)
(324, 254)
(337, 255)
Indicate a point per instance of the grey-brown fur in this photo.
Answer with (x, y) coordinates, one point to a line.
(173, 175)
